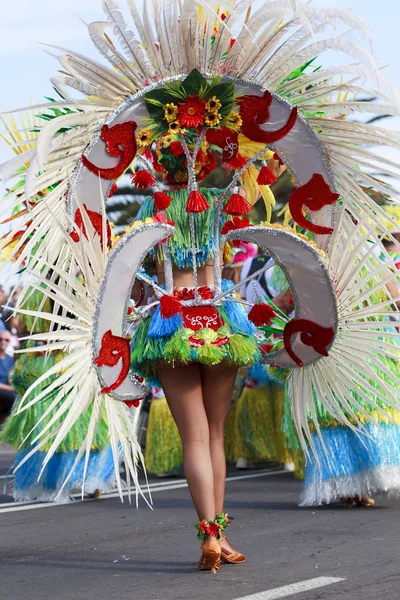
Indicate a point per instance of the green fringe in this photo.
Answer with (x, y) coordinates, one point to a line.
(178, 347)
(243, 350)
(28, 368)
(240, 350)
(180, 244)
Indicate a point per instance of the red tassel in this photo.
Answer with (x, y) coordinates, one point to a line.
(266, 176)
(261, 314)
(196, 202)
(169, 306)
(143, 179)
(237, 206)
(161, 201)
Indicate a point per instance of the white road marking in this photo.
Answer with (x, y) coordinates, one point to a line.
(294, 588)
(154, 487)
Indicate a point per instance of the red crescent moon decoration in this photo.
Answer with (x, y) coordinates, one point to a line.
(314, 195)
(114, 348)
(312, 334)
(254, 111)
(120, 141)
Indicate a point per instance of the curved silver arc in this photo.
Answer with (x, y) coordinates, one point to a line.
(313, 294)
(301, 150)
(113, 302)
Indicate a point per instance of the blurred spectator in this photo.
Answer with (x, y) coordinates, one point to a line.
(3, 301)
(7, 392)
(263, 285)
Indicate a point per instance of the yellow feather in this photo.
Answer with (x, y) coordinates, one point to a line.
(248, 149)
(253, 190)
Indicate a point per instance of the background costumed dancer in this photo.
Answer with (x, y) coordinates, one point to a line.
(191, 86)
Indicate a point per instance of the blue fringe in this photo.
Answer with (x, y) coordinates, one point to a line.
(160, 327)
(348, 455)
(236, 314)
(100, 473)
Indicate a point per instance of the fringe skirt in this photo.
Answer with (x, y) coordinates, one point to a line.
(353, 465)
(204, 334)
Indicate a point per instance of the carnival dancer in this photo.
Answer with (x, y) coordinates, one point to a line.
(194, 86)
(351, 469)
(34, 480)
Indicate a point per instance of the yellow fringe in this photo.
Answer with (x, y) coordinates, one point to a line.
(163, 443)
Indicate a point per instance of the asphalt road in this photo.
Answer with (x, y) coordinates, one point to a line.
(96, 550)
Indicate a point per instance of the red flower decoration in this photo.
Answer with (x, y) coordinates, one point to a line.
(191, 114)
(209, 162)
(162, 218)
(176, 149)
(237, 162)
(236, 223)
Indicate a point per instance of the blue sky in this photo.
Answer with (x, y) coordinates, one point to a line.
(26, 67)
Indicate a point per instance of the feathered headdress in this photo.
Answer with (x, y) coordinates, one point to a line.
(242, 78)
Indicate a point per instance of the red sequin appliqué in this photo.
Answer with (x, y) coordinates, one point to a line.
(197, 317)
(254, 111)
(113, 349)
(312, 334)
(226, 139)
(314, 195)
(120, 141)
(96, 220)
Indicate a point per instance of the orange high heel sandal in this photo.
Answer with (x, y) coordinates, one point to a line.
(210, 559)
(209, 533)
(233, 557)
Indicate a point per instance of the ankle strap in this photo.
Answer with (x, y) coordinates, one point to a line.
(214, 528)
(223, 520)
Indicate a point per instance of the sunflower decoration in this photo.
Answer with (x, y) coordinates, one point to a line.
(144, 140)
(185, 106)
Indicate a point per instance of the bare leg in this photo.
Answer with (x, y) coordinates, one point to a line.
(183, 389)
(218, 382)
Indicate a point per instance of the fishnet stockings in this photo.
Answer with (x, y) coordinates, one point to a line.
(199, 398)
